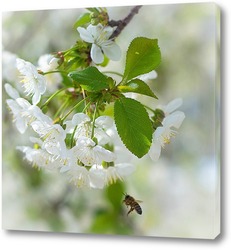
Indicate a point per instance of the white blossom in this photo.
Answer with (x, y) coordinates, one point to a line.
(33, 82)
(38, 157)
(23, 112)
(98, 176)
(47, 63)
(163, 134)
(89, 153)
(82, 125)
(102, 126)
(79, 176)
(53, 136)
(118, 172)
(102, 176)
(99, 36)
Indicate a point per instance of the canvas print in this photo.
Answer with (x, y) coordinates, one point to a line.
(110, 121)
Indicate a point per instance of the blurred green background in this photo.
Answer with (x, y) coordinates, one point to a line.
(180, 192)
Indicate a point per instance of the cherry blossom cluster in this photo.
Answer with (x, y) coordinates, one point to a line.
(83, 163)
(84, 147)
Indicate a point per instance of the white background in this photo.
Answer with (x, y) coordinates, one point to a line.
(32, 240)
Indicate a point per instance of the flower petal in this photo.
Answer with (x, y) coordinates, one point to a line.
(95, 30)
(155, 151)
(79, 118)
(108, 30)
(104, 122)
(41, 83)
(21, 125)
(85, 142)
(79, 176)
(21, 65)
(12, 92)
(158, 132)
(64, 169)
(96, 54)
(102, 154)
(39, 127)
(112, 51)
(112, 175)
(173, 105)
(36, 140)
(36, 98)
(13, 105)
(102, 137)
(23, 103)
(48, 62)
(174, 120)
(55, 147)
(85, 35)
(97, 176)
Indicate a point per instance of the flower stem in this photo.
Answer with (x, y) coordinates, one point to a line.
(74, 107)
(62, 107)
(123, 82)
(86, 107)
(93, 122)
(72, 136)
(52, 96)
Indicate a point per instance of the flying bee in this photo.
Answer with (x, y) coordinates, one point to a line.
(134, 204)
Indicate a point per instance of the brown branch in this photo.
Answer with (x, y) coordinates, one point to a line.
(121, 24)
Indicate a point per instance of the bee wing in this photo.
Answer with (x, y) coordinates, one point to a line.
(139, 201)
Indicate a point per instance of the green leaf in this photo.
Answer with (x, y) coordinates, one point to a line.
(143, 55)
(133, 125)
(90, 79)
(137, 86)
(83, 19)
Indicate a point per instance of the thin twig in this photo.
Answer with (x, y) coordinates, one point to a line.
(121, 24)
